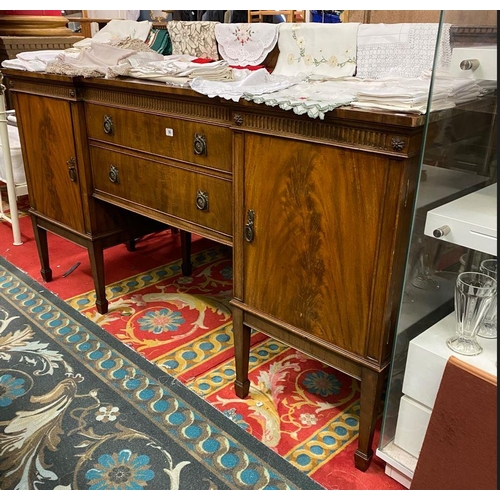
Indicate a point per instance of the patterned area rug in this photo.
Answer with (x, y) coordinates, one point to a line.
(304, 410)
(81, 411)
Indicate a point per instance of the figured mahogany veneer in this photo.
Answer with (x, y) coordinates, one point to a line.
(318, 211)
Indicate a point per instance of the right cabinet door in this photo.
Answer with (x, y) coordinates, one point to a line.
(320, 226)
(51, 166)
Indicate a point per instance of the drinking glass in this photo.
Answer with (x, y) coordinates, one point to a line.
(474, 293)
(488, 329)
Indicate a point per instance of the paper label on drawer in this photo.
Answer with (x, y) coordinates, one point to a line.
(169, 132)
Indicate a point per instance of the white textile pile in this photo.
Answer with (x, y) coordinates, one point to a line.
(410, 95)
(178, 70)
(94, 61)
(313, 98)
(32, 61)
(118, 29)
(246, 83)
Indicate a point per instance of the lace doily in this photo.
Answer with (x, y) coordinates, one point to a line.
(401, 49)
(246, 44)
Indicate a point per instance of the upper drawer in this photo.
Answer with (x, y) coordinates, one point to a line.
(184, 140)
(197, 198)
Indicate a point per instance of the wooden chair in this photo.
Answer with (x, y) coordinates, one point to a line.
(291, 16)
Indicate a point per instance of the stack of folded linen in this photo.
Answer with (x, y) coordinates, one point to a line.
(411, 95)
(32, 61)
(178, 70)
(245, 83)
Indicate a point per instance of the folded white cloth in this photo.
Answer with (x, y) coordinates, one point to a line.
(118, 29)
(246, 82)
(317, 49)
(35, 60)
(176, 69)
(313, 98)
(246, 44)
(94, 61)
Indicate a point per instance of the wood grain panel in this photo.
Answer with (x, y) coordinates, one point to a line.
(148, 133)
(164, 189)
(318, 221)
(49, 133)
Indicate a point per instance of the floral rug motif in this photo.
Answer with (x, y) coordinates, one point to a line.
(81, 411)
(299, 407)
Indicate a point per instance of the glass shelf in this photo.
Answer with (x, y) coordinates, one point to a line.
(457, 188)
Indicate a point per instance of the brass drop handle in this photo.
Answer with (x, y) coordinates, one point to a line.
(201, 200)
(113, 174)
(108, 125)
(249, 229)
(200, 144)
(72, 169)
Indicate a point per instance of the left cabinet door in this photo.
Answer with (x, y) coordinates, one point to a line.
(50, 159)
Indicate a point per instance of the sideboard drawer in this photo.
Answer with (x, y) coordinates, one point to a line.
(175, 138)
(198, 198)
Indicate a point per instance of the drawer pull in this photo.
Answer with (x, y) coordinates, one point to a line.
(201, 200)
(200, 145)
(108, 125)
(71, 169)
(113, 174)
(249, 229)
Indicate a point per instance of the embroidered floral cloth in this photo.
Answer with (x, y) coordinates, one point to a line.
(313, 98)
(194, 38)
(402, 49)
(246, 44)
(317, 49)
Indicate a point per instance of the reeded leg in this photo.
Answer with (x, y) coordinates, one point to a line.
(241, 334)
(372, 383)
(186, 265)
(96, 257)
(43, 250)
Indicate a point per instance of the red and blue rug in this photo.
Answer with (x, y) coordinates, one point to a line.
(300, 408)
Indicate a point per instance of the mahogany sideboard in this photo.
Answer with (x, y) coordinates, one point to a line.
(318, 212)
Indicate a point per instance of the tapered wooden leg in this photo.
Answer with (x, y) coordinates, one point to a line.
(186, 265)
(241, 333)
(372, 384)
(43, 250)
(96, 257)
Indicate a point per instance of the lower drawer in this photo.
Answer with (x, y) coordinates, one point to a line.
(194, 197)
(413, 420)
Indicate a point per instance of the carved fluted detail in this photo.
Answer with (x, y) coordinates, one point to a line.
(175, 107)
(48, 90)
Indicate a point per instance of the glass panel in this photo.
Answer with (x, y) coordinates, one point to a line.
(453, 224)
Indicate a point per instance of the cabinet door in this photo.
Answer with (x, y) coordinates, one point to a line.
(318, 260)
(50, 159)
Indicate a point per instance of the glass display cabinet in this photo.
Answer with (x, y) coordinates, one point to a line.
(454, 230)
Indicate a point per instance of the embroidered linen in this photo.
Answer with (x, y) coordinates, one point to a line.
(313, 98)
(246, 44)
(194, 38)
(328, 50)
(178, 70)
(245, 82)
(92, 62)
(403, 49)
(118, 29)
